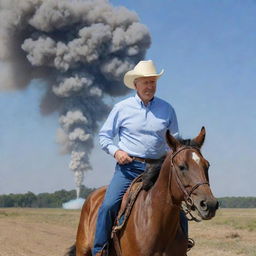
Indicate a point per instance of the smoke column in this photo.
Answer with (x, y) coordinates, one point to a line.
(80, 50)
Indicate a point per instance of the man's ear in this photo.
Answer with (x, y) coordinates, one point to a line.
(171, 141)
(134, 83)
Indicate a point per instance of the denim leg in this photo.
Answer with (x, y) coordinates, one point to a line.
(184, 223)
(123, 176)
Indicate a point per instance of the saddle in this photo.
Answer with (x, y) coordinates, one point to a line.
(143, 182)
(128, 201)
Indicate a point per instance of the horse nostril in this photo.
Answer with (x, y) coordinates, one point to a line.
(203, 205)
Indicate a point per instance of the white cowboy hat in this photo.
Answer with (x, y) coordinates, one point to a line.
(145, 68)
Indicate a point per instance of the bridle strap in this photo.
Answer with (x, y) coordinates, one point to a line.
(198, 185)
(187, 194)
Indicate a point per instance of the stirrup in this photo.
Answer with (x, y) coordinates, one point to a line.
(191, 244)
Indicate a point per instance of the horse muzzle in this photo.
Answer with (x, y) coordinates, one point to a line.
(207, 208)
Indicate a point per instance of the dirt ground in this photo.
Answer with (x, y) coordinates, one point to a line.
(42, 232)
(49, 232)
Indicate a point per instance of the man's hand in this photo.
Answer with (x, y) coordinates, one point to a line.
(122, 157)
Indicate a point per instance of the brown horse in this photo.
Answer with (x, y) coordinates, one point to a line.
(153, 227)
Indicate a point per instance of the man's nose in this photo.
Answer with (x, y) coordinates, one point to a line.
(151, 86)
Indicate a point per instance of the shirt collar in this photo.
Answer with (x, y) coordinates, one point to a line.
(141, 103)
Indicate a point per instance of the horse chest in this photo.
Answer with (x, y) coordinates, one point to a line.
(146, 235)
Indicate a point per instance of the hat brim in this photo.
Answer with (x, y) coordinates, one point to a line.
(130, 76)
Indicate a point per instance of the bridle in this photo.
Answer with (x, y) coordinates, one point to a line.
(189, 203)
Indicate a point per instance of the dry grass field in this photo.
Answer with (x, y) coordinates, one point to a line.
(48, 232)
(231, 232)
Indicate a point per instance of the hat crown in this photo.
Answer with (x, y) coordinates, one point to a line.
(145, 67)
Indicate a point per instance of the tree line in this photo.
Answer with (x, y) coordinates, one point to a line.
(56, 199)
(42, 200)
(237, 202)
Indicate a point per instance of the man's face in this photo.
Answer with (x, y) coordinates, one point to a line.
(146, 87)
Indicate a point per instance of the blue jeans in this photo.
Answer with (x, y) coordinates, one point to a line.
(184, 223)
(123, 176)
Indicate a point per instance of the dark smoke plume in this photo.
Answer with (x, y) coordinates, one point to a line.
(80, 49)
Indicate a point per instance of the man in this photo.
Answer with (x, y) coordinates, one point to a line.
(141, 123)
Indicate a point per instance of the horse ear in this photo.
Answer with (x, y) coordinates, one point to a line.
(172, 142)
(199, 140)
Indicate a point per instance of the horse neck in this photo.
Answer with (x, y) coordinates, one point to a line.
(165, 196)
(167, 185)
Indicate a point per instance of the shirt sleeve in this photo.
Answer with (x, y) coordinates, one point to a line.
(108, 132)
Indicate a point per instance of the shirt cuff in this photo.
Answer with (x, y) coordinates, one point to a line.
(112, 149)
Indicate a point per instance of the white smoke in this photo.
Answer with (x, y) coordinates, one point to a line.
(81, 50)
(74, 204)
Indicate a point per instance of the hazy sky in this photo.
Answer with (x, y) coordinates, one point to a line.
(208, 51)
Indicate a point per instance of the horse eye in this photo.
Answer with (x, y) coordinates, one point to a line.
(182, 167)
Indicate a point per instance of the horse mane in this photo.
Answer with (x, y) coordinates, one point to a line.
(152, 171)
(150, 175)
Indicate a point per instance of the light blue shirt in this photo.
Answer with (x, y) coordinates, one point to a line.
(141, 129)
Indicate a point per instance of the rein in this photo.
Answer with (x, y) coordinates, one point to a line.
(189, 203)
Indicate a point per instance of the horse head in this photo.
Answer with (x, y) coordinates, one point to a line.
(189, 173)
